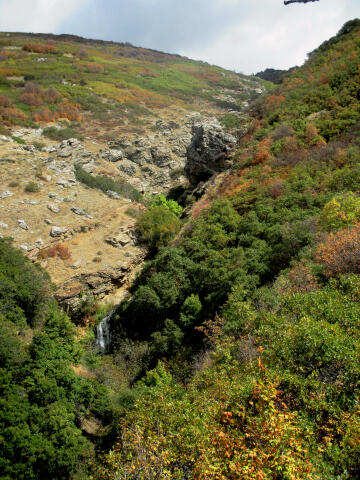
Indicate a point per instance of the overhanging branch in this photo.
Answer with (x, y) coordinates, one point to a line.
(286, 2)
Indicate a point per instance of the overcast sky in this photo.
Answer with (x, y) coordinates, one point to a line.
(242, 35)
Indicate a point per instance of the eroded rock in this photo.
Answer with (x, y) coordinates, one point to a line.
(208, 151)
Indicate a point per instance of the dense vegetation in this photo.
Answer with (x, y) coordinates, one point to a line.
(237, 354)
(252, 312)
(43, 401)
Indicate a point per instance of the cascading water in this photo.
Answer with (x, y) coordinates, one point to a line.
(103, 333)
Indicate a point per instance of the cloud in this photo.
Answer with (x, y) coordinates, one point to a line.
(243, 35)
(36, 15)
(270, 35)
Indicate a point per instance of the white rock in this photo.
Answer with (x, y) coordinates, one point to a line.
(4, 225)
(57, 231)
(6, 193)
(78, 211)
(23, 224)
(53, 207)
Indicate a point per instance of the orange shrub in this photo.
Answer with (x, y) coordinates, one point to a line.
(274, 101)
(340, 253)
(69, 111)
(39, 48)
(94, 68)
(5, 101)
(43, 115)
(58, 250)
(261, 157)
(12, 113)
(297, 280)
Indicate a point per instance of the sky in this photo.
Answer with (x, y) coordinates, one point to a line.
(242, 35)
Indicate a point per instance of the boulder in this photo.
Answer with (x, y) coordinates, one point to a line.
(113, 195)
(57, 231)
(113, 155)
(78, 211)
(161, 156)
(120, 240)
(139, 155)
(23, 224)
(53, 207)
(6, 194)
(128, 167)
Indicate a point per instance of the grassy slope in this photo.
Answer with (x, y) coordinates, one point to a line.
(271, 264)
(106, 81)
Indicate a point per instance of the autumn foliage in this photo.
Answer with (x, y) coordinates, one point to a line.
(5, 101)
(340, 253)
(59, 250)
(40, 48)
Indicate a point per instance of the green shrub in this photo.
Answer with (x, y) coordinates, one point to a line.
(61, 134)
(157, 226)
(340, 212)
(19, 140)
(161, 201)
(106, 183)
(31, 187)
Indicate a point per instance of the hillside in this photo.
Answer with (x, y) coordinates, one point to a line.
(109, 88)
(235, 354)
(124, 116)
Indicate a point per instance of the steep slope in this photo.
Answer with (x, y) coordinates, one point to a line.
(266, 274)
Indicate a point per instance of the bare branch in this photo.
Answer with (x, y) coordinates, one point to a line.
(286, 2)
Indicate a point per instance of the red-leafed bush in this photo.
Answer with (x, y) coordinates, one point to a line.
(5, 101)
(276, 188)
(31, 99)
(32, 87)
(59, 250)
(51, 95)
(340, 253)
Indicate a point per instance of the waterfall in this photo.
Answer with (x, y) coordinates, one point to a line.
(103, 333)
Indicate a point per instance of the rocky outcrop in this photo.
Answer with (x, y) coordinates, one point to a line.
(72, 292)
(209, 150)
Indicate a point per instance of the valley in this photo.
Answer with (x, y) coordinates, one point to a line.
(179, 264)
